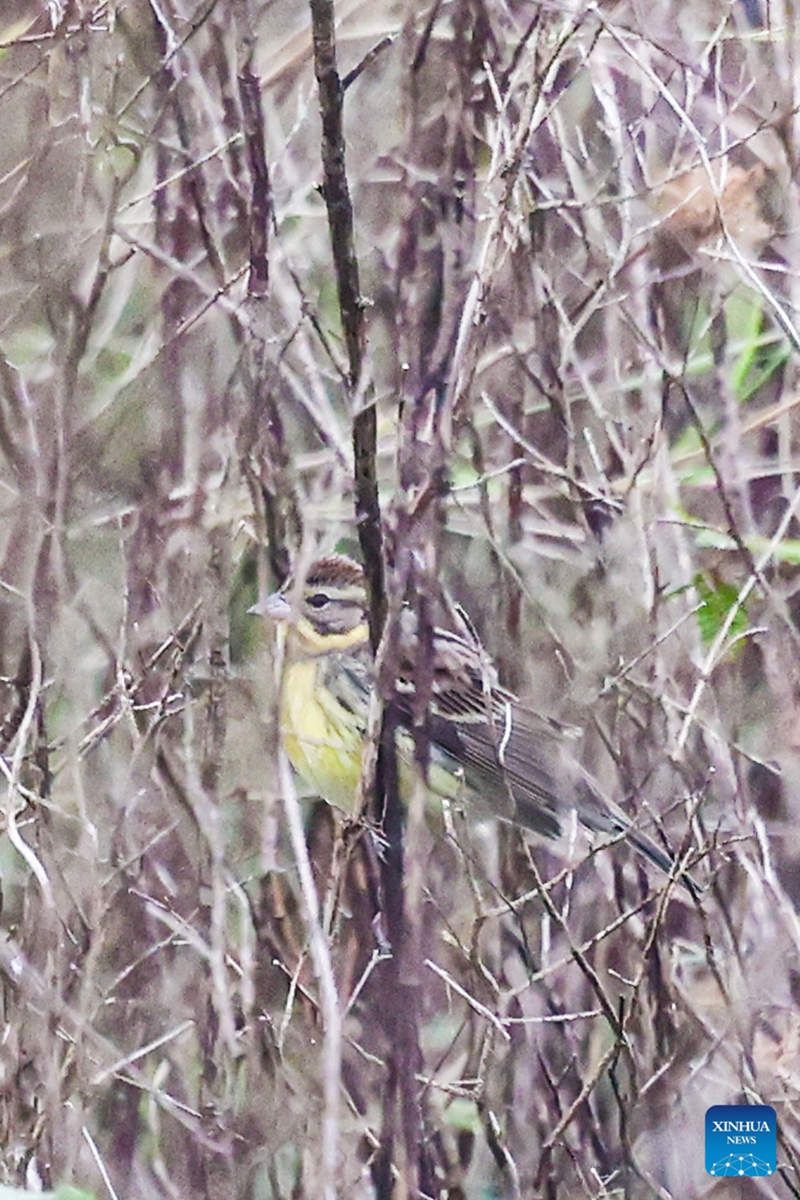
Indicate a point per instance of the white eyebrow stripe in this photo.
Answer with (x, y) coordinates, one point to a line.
(508, 724)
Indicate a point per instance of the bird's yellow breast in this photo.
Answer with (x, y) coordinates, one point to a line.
(322, 738)
(324, 742)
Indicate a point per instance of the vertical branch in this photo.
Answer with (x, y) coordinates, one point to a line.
(335, 188)
(401, 1016)
(266, 411)
(501, 230)
(261, 192)
(340, 222)
(329, 996)
(272, 490)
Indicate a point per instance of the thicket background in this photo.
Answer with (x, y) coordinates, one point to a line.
(576, 231)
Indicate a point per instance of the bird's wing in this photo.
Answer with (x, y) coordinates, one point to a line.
(520, 762)
(474, 723)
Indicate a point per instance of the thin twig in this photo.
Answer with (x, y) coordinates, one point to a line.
(329, 997)
(336, 192)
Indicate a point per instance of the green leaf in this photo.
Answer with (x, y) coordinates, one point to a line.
(769, 353)
(716, 601)
(758, 350)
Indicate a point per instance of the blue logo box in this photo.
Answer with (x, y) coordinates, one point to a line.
(741, 1139)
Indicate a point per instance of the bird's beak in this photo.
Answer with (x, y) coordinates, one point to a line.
(275, 606)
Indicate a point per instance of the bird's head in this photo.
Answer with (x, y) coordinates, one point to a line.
(326, 614)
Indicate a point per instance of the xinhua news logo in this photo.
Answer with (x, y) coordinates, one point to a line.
(741, 1139)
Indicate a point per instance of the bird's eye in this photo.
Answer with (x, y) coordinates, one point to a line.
(318, 600)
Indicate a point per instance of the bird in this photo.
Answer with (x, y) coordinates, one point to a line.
(483, 741)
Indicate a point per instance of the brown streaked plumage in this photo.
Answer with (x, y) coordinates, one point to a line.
(483, 739)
